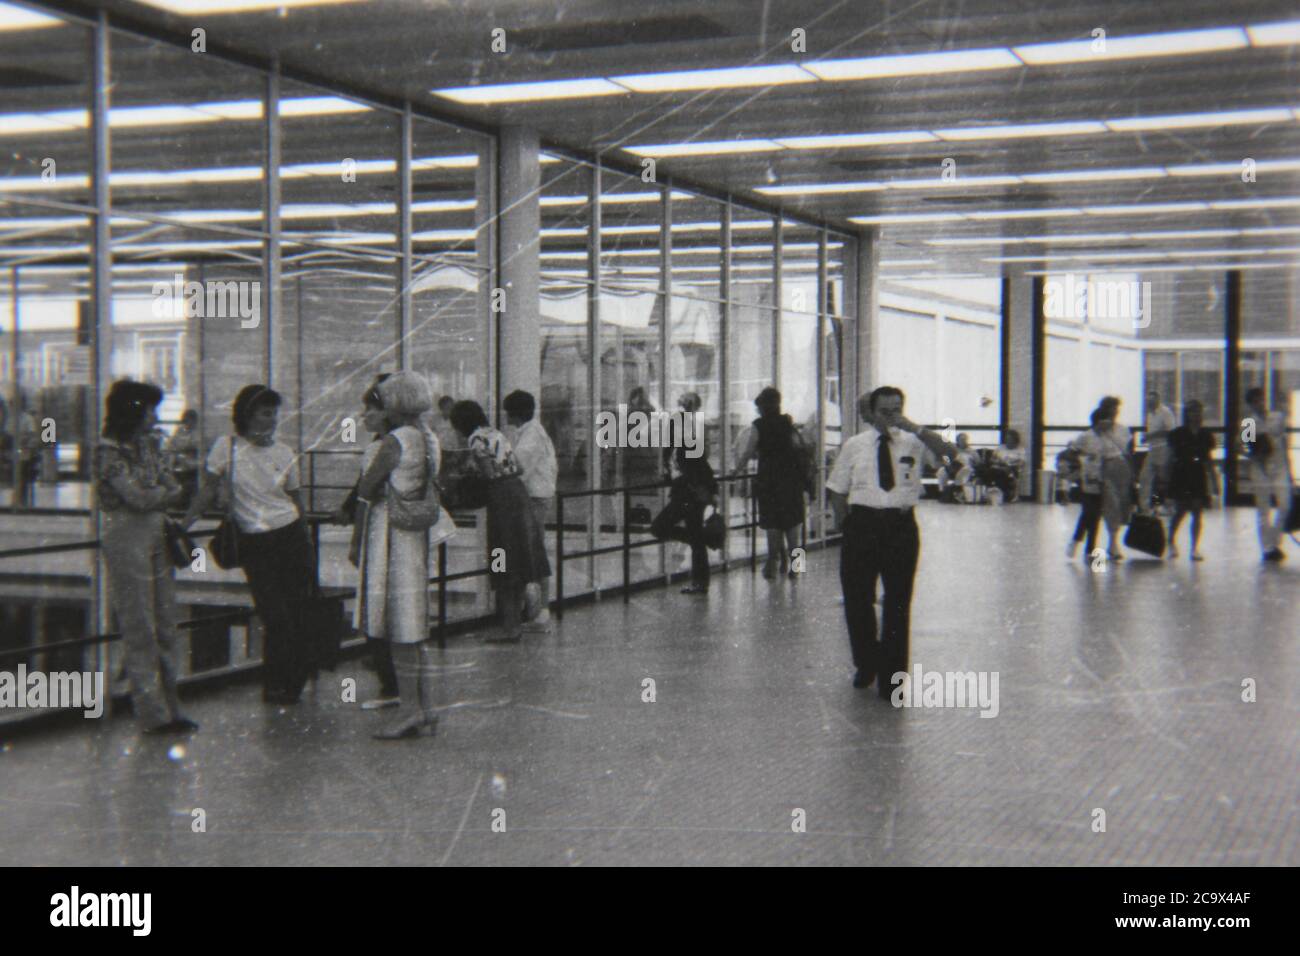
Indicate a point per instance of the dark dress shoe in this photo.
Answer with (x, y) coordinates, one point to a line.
(180, 725)
(863, 678)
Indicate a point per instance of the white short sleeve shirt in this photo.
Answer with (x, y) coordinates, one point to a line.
(264, 474)
(855, 472)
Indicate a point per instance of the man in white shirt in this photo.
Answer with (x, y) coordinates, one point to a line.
(875, 484)
(535, 455)
(1155, 470)
(1268, 471)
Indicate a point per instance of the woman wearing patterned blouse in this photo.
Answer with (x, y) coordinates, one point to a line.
(512, 527)
(135, 488)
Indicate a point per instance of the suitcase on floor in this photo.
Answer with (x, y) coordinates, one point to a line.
(1146, 533)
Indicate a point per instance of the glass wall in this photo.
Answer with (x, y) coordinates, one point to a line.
(256, 232)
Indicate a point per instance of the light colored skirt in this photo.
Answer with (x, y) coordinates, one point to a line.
(1116, 492)
(393, 589)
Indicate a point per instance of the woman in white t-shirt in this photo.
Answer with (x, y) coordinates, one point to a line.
(275, 548)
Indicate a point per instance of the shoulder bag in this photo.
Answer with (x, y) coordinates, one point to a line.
(224, 545)
(421, 511)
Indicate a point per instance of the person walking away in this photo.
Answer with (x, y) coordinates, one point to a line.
(1193, 484)
(134, 489)
(1154, 476)
(1087, 447)
(1268, 472)
(781, 482)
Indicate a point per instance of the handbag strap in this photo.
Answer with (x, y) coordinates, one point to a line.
(230, 480)
(428, 467)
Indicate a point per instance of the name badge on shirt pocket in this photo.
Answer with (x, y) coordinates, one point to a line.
(908, 464)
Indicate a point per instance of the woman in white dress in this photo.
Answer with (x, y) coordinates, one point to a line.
(393, 592)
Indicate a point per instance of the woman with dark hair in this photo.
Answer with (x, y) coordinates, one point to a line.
(275, 549)
(135, 487)
(512, 526)
(782, 478)
(1192, 482)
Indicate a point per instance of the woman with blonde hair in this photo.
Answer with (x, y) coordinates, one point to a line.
(393, 593)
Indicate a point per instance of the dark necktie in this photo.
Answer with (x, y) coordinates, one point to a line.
(884, 463)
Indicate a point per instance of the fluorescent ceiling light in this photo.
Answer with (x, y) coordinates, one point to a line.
(1186, 234)
(846, 140)
(20, 18)
(1022, 131)
(907, 262)
(1135, 209)
(321, 106)
(233, 6)
(1255, 203)
(332, 169)
(531, 92)
(1275, 34)
(913, 64)
(715, 148)
(938, 182)
(1234, 169)
(775, 75)
(1025, 213)
(819, 189)
(1181, 43)
(1095, 175)
(907, 218)
(1195, 120)
(467, 161)
(1013, 240)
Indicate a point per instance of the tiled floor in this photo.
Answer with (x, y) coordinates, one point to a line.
(1119, 691)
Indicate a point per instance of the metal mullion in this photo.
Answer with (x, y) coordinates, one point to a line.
(404, 240)
(102, 271)
(271, 218)
(724, 377)
(593, 370)
(666, 280)
(823, 306)
(778, 239)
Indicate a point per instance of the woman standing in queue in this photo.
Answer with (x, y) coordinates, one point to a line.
(275, 549)
(781, 482)
(393, 594)
(135, 488)
(512, 526)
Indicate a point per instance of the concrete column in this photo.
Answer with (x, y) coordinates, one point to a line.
(1020, 358)
(867, 315)
(519, 333)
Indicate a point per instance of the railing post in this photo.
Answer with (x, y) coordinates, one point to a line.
(442, 595)
(627, 545)
(559, 556)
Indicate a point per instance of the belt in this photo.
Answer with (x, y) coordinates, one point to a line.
(893, 512)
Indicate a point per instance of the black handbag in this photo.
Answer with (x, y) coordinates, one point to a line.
(715, 530)
(467, 492)
(224, 545)
(1293, 516)
(325, 628)
(1146, 533)
(180, 546)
